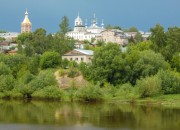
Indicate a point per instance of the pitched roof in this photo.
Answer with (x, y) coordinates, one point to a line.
(87, 52)
(80, 52)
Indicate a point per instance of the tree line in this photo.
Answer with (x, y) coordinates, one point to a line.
(144, 69)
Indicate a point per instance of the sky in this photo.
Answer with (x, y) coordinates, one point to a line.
(47, 14)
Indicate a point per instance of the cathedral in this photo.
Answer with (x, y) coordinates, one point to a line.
(83, 32)
(26, 25)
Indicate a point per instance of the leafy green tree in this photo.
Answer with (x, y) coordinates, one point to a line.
(148, 64)
(138, 38)
(16, 62)
(39, 41)
(64, 25)
(101, 69)
(24, 37)
(113, 27)
(50, 60)
(175, 62)
(7, 83)
(158, 38)
(4, 69)
(173, 43)
(170, 82)
(133, 29)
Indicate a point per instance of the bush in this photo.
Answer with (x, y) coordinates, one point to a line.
(45, 78)
(61, 72)
(50, 60)
(73, 72)
(50, 92)
(90, 93)
(6, 83)
(149, 86)
(170, 82)
(4, 69)
(126, 91)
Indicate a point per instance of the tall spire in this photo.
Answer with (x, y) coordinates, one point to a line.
(78, 14)
(102, 24)
(86, 24)
(94, 16)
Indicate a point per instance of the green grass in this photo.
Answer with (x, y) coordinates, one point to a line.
(171, 100)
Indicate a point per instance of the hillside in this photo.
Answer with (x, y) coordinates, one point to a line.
(67, 82)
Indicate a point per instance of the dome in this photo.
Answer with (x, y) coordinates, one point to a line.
(26, 19)
(78, 21)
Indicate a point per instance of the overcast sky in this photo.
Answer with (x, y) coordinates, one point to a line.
(47, 14)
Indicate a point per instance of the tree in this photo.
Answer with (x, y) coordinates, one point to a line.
(148, 64)
(4, 69)
(39, 41)
(64, 25)
(175, 62)
(158, 38)
(101, 69)
(24, 37)
(2, 39)
(50, 60)
(113, 27)
(138, 38)
(133, 29)
(172, 43)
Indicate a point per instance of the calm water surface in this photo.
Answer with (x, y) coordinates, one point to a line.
(18, 115)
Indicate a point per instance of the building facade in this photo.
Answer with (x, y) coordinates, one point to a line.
(79, 56)
(114, 36)
(26, 25)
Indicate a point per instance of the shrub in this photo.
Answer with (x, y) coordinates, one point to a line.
(6, 83)
(170, 82)
(50, 92)
(73, 72)
(45, 78)
(61, 72)
(126, 91)
(4, 69)
(149, 86)
(90, 93)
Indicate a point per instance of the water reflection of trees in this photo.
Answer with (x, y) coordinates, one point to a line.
(109, 115)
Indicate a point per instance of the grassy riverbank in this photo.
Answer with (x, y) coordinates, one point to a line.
(172, 100)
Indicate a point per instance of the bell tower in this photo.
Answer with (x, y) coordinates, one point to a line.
(26, 25)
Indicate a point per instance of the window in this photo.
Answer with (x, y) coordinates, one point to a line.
(76, 59)
(82, 59)
(71, 58)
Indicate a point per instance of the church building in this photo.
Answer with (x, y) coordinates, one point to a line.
(26, 25)
(83, 32)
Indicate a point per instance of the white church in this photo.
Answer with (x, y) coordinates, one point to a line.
(83, 32)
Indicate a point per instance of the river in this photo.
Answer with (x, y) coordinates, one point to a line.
(36, 115)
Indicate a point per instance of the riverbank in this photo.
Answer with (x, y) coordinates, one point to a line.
(171, 100)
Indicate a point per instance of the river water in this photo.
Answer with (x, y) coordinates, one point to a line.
(19, 115)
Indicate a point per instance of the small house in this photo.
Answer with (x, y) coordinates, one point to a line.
(79, 56)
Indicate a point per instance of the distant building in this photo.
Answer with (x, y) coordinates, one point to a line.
(79, 45)
(9, 36)
(145, 35)
(5, 47)
(83, 32)
(79, 56)
(130, 34)
(26, 25)
(114, 36)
